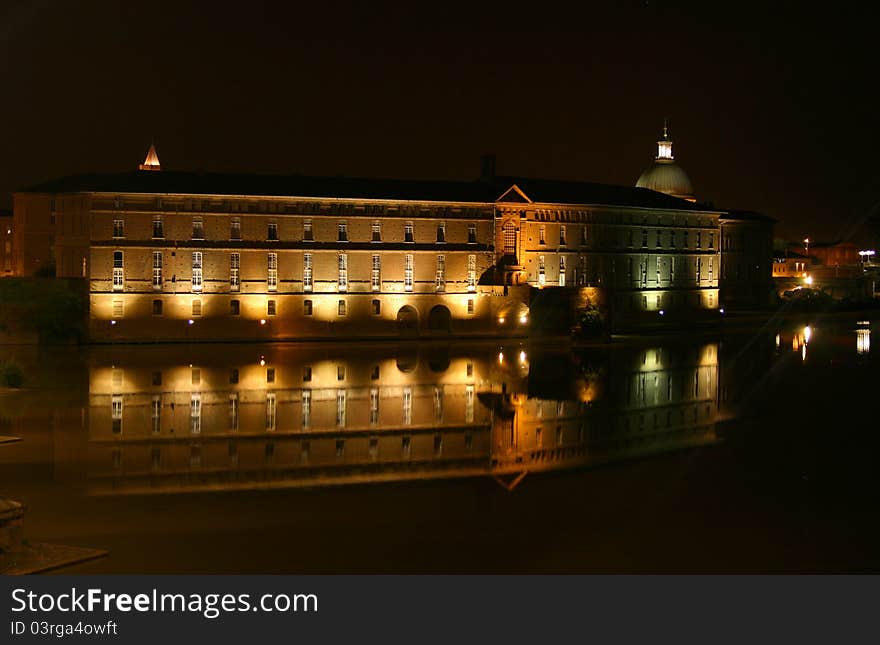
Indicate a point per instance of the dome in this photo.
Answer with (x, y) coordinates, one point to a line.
(666, 176)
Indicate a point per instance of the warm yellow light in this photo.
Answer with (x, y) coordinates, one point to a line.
(190, 321)
(522, 357)
(523, 319)
(500, 358)
(262, 361)
(262, 321)
(808, 280)
(112, 322)
(500, 320)
(807, 333)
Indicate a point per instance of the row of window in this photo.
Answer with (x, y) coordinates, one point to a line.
(195, 418)
(234, 374)
(672, 237)
(158, 308)
(198, 230)
(308, 283)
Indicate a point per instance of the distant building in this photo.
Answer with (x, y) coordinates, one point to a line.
(178, 255)
(6, 236)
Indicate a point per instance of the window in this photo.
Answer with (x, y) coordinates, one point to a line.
(156, 414)
(198, 229)
(118, 271)
(307, 271)
(307, 374)
(685, 244)
(377, 232)
(116, 413)
(542, 231)
(340, 414)
(307, 307)
(118, 311)
(342, 230)
(233, 376)
(158, 227)
(438, 404)
(408, 272)
(441, 232)
(672, 269)
(197, 271)
(234, 265)
(697, 267)
(157, 378)
(270, 375)
(440, 276)
(195, 376)
(233, 411)
(562, 235)
(375, 273)
(308, 236)
(469, 404)
(306, 409)
(270, 308)
(376, 307)
(658, 268)
(472, 233)
(470, 306)
(509, 235)
(235, 229)
(157, 269)
(472, 273)
(561, 270)
(542, 278)
(342, 284)
(644, 238)
(195, 413)
(340, 372)
(272, 232)
(405, 446)
(340, 308)
(196, 308)
(118, 228)
(584, 236)
(271, 402)
(234, 307)
(272, 272)
(407, 405)
(374, 375)
(408, 232)
(374, 406)
(157, 307)
(699, 243)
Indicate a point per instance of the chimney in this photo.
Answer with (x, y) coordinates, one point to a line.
(487, 168)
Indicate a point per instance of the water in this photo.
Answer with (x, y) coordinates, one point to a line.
(753, 452)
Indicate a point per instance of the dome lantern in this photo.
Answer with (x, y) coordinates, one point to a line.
(664, 175)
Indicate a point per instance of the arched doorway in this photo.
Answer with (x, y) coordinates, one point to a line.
(408, 321)
(440, 320)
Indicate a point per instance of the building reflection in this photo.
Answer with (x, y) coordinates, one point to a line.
(237, 417)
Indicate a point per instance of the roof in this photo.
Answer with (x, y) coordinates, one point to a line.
(666, 176)
(479, 191)
(747, 215)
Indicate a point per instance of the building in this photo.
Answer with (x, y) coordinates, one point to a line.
(746, 259)
(6, 235)
(188, 256)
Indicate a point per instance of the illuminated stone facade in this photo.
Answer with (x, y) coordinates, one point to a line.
(183, 256)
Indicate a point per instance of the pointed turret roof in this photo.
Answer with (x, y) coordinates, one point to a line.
(152, 160)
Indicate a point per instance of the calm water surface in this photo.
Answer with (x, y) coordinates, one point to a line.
(754, 452)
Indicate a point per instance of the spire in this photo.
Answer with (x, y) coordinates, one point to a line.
(152, 160)
(664, 145)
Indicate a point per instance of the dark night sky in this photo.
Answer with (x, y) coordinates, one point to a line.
(771, 111)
